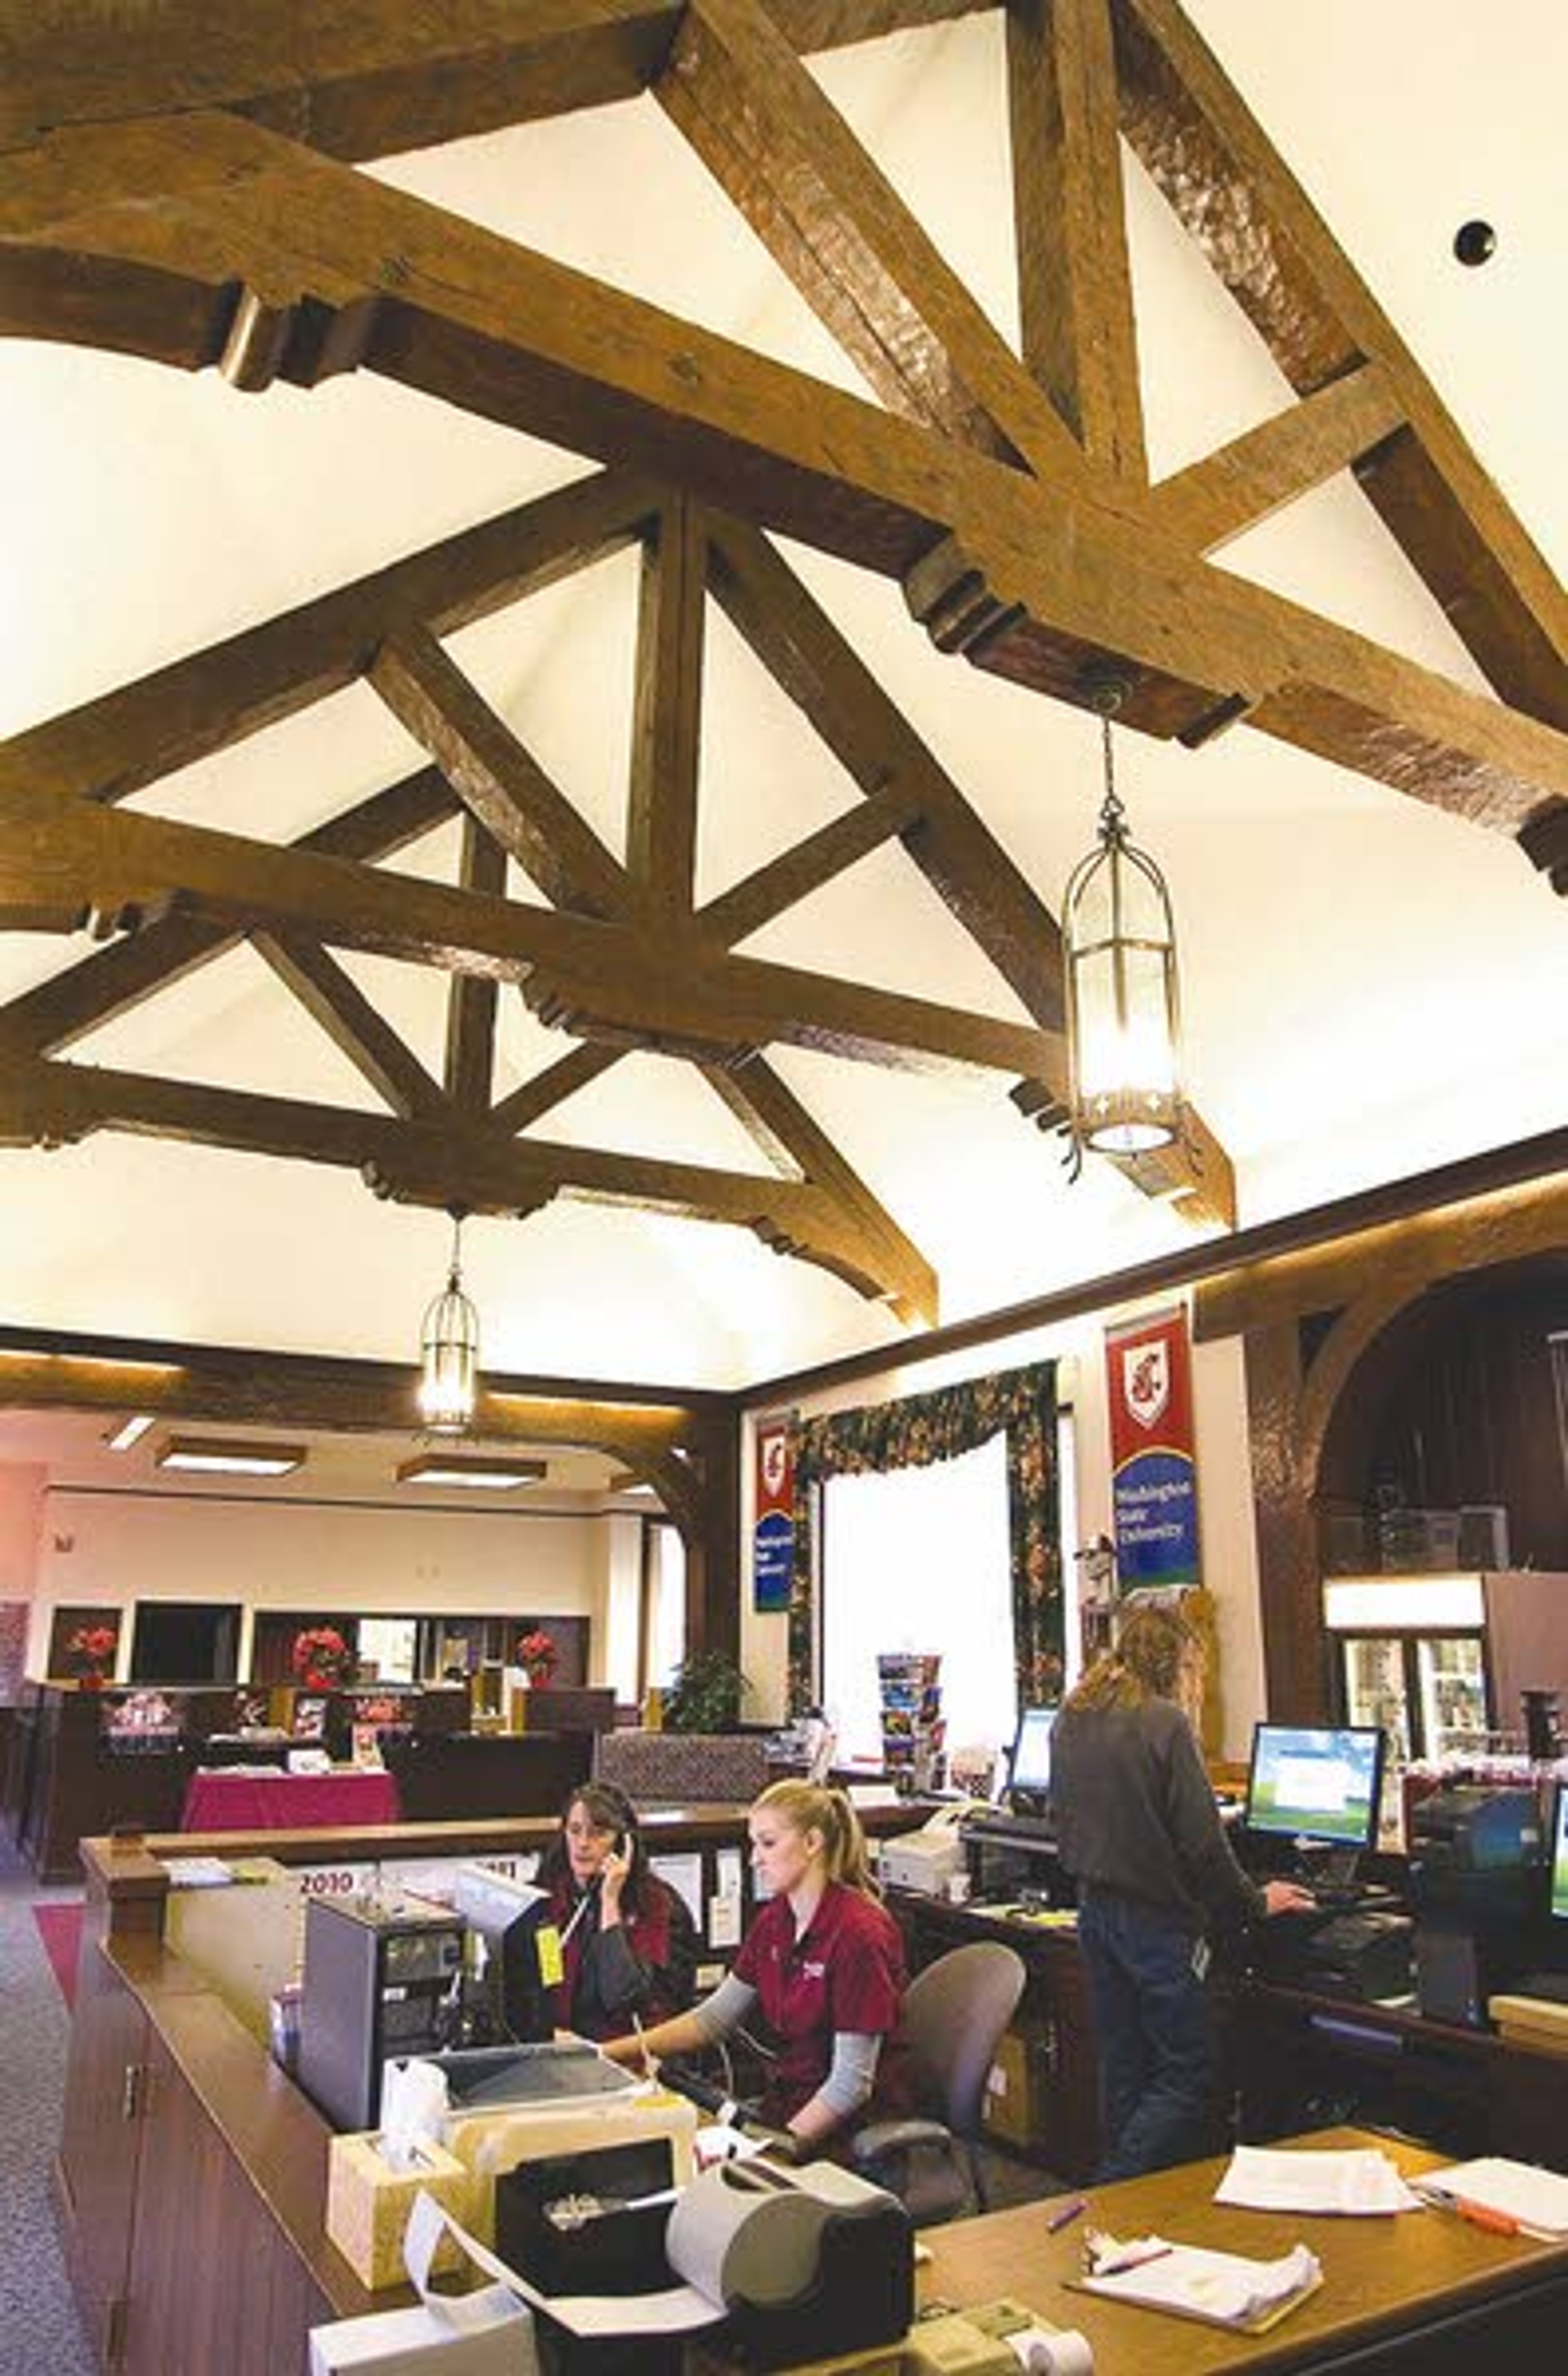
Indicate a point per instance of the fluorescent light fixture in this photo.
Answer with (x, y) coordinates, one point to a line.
(462, 1469)
(131, 1431)
(229, 1456)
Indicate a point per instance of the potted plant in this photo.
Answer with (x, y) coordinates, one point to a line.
(538, 1656)
(320, 1657)
(91, 1650)
(704, 1694)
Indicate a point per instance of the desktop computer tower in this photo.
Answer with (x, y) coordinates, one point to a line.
(378, 1982)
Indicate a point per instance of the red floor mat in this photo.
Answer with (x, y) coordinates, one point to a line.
(60, 1928)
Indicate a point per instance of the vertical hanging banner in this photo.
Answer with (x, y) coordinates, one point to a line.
(773, 1516)
(1153, 1471)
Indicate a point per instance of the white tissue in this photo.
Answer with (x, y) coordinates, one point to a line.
(1051, 2351)
(413, 2105)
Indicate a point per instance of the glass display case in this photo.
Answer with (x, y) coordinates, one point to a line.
(1411, 1657)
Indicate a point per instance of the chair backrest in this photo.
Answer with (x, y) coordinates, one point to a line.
(679, 1769)
(955, 2013)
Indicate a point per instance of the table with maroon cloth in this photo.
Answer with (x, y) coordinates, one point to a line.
(231, 1801)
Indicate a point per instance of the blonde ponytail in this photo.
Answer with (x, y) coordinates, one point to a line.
(816, 1807)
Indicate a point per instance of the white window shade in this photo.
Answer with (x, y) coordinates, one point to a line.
(918, 1559)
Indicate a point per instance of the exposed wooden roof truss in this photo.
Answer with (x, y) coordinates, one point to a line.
(181, 184)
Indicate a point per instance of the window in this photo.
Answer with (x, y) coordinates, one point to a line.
(918, 1559)
(664, 1601)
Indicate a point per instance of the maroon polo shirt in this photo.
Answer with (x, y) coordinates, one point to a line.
(845, 1973)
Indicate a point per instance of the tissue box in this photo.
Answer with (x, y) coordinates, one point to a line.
(425, 2343)
(368, 2205)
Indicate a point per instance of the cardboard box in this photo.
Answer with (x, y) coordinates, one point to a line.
(1015, 2091)
(368, 2203)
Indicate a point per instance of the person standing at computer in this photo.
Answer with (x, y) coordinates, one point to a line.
(628, 1944)
(1139, 1831)
(823, 1961)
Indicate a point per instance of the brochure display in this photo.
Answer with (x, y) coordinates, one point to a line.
(913, 1731)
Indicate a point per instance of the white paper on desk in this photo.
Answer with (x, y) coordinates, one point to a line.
(679, 2309)
(683, 1875)
(1357, 2183)
(1224, 2287)
(1538, 2199)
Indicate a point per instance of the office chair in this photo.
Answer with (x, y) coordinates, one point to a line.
(955, 2013)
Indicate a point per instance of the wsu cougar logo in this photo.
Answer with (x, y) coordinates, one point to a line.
(1145, 1380)
(775, 1453)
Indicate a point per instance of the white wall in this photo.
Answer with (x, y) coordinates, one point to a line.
(1225, 1503)
(116, 1548)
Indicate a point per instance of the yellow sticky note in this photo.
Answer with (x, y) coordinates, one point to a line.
(552, 1970)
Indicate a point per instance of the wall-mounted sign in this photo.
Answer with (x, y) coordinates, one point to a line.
(773, 1519)
(1153, 1469)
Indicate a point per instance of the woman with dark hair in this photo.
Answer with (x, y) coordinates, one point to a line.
(822, 1963)
(1138, 1829)
(628, 1946)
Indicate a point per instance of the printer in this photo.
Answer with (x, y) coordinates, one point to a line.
(1475, 1874)
(926, 1860)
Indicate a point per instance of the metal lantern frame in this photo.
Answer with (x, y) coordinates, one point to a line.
(450, 1351)
(1131, 1116)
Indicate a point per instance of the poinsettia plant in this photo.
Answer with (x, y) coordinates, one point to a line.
(320, 1657)
(538, 1656)
(91, 1647)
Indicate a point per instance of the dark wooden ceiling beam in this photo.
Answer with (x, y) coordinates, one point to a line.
(468, 1069)
(1241, 483)
(552, 1087)
(440, 1163)
(662, 828)
(787, 1135)
(115, 978)
(497, 776)
(783, 882)
(594, 978)
(1232, 190)
(335, 1001)
(505, 334)
(954, 849)
(131, 738)
(1079, 337)
(834, 224)
(381, 78)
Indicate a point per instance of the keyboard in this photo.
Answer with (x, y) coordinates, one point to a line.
(1550, 1985)
(1001, 1827)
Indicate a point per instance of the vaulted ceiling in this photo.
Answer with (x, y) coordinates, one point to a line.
(487, 484)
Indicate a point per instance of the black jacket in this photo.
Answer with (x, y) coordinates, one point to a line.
(1135, 1815)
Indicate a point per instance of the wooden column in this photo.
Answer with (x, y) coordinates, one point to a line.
(1295, 1668)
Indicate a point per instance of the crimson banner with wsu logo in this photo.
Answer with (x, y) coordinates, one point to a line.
(773, 1516)
(1153, 1471)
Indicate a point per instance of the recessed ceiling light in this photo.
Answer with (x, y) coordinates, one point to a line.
(131, 1431)
(229, 1456)
(460, 1468)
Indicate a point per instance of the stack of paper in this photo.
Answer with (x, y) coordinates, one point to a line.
(1226, 2289)
(1535, 2200)
(1359, 2182)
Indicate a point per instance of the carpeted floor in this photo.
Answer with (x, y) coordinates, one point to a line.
(60, 1928)
(38, 2333)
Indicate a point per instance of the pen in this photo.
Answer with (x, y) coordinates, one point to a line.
(1065, 2216)
(1136, 2259)
(1481, 2215)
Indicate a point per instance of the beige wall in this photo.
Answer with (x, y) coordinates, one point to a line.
(122, 1548)
(1225, 1504)
(21, 1513)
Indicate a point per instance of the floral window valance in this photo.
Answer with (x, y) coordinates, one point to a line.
(914, 1432)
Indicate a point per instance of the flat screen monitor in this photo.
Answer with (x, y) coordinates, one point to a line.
(1316, 1783)
(1028, 1770)
(1558, 1901)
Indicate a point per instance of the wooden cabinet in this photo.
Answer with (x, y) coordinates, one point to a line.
(95, 2171)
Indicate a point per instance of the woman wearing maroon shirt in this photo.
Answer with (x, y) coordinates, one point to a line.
(628, 1946)
(824, 1963)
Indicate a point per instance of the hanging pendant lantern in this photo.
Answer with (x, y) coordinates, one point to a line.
(1119, 948)
(449, 1350)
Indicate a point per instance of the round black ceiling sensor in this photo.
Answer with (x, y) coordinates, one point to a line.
(1475, 243)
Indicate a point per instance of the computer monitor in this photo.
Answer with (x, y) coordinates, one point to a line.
(1320, 1785)
(1557, 1903)
(1029, 1767)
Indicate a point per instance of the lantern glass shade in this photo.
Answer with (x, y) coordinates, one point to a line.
(449, 1361)
(1122, 1014)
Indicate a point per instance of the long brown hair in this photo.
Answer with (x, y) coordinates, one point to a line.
(1153, 1648)
(814, 1807)
(607, 1809)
